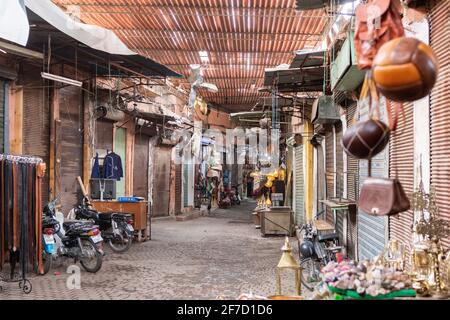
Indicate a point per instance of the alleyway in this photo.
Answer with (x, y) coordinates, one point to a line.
(220, 255)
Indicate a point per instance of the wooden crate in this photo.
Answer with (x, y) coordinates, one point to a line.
(277, 222)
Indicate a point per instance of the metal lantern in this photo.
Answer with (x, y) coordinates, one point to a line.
(288, 262)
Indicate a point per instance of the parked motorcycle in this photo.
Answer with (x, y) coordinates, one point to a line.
(81, 241)
(236, 197)
(117, 228)
(315, 251)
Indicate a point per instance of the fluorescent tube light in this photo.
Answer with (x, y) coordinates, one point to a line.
(2, 51)
(54, 77)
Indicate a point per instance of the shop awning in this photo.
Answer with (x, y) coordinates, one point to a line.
(92, 47)
(304, 74)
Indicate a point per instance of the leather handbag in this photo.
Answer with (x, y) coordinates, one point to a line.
(377, 22)
(383, 196)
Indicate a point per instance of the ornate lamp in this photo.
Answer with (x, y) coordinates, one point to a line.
(288, 262)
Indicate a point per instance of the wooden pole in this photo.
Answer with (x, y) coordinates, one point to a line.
(54, 118)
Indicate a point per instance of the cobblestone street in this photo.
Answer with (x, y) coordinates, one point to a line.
(218, 255)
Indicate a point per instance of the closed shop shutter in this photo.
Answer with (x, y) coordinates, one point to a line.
(439, 100)
(329, 174)
(178, 181)
(321, 179)
(339, 162)
(352, 163)
(71, 110)
(186, 169)
(140, 172)
(161, 182)
(352, 190)
(299, 186)
(372, 230)
(36, 126)
(2, 115)
(401, 163)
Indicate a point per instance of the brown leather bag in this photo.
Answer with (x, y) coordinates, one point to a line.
(377, 22)
(383, 196)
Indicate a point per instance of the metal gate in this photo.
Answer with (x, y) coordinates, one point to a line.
(71, 111)
(299, 182)
(372, 230)
(439, 101)
(161, 182)
(140, 173)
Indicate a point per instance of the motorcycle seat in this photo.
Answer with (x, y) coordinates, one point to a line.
(328, 237)
(105, 215)
(68, 224)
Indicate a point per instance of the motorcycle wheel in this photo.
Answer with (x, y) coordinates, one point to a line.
(121, 243)
(93, 262)
(310, 271)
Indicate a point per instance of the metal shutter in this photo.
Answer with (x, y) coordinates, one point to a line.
(352, 163)
(401, 162)
(140, 172)
(372, 230)
(36, 128)
(186, 169)
(339, 162)
(2, 115)
(329, 174)
(299, 186)
(178, 180)
(352, 191)
(439, 100)
(71, 110)
(161, 181)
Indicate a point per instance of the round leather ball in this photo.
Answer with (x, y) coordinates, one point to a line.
(405, 69)
(366, 139)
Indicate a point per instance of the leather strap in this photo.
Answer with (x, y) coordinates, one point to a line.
(15, 207)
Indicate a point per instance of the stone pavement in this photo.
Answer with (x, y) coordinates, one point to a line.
(217, 255)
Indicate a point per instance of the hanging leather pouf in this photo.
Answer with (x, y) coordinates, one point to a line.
(366, 139)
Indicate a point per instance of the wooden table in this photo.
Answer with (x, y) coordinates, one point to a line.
(139, 211)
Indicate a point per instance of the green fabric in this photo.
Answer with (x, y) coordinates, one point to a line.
(355, 295)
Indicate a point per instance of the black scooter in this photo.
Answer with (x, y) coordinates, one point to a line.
(81, 241)
(117, 228)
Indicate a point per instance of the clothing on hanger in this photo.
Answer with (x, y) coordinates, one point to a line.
(112, 166)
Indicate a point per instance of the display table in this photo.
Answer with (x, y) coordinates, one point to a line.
(137, 209)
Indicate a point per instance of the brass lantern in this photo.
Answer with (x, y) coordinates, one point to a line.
(288, 262)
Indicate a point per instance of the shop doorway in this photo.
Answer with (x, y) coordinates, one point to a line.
(120, 145)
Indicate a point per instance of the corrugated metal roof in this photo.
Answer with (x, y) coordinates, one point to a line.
(242, 37)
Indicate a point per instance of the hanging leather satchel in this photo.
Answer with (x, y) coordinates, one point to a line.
(383, 196)
(377, 22)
